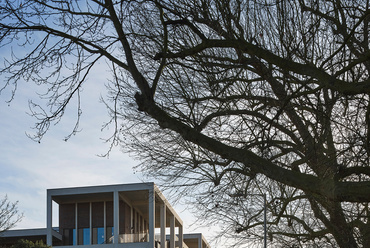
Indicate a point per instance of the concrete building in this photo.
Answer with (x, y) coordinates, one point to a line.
(111, 216)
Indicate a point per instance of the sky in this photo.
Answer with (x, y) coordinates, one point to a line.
(28, 168)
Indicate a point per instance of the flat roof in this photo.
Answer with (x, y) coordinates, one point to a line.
(134, 193)
(100, 189)
(27, 233)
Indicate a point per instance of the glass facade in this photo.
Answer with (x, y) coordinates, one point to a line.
(94, 222)
(110, 233)
(98, 235)
(86, 236)
(83, 237)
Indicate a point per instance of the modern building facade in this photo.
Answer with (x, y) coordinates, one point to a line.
(111, 216)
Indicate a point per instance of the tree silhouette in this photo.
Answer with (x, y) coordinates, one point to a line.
(9, 214)
(224, 100)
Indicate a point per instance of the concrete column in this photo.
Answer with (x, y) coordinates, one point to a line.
(163, 225)
(115, 216)
(142, 225)
(49, 220)
(151, 199)
(181, 236)
(172, 231)
(132, 228)
(135, 226)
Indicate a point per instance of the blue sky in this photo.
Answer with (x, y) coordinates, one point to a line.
(29, 168)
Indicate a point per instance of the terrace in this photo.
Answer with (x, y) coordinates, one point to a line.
(127, 216)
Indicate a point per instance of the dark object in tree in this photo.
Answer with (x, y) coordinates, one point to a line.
(227, 100)
(9, 214)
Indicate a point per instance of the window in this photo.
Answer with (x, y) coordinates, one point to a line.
(110, 233)
(86, 236)
(98, 235)
(68, 237)
(83, 236)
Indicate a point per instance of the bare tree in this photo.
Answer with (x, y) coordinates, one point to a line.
(9, 214)
(225, 100)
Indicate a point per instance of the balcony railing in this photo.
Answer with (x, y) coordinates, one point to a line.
(131, 238)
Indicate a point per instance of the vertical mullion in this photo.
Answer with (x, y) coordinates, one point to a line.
(105, 222)
(76, 224)
(91, 232)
